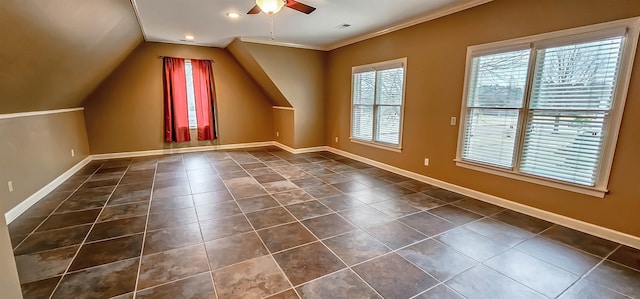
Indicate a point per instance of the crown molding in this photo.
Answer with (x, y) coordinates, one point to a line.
(447, 10)
(136, 11)
(282, 44)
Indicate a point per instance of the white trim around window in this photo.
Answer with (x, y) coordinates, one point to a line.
(377, 104)
(508, 114)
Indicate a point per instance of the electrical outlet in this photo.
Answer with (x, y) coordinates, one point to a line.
(73, 153)
(277, 134)
(10, 184)
(453, 120)
(426, 161)
(336, 139)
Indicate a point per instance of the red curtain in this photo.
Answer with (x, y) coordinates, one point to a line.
(176, 115)
(204, 96)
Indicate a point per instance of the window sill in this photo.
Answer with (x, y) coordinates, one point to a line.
(392, 148)
(591, 191)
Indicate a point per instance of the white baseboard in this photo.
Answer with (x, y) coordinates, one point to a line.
(22, 207)
(579, 225)
(181, 150)
(38, 195)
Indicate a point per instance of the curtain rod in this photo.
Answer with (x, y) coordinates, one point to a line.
(160, 57)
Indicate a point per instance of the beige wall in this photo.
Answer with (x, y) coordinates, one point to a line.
(300, 75)
(54, 53)
(283, 123)
(125, 113)
(36, 150)
(9, 282)
(436, 63)
(241, 53)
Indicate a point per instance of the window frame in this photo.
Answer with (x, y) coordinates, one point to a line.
(631, 29)
(376, 67)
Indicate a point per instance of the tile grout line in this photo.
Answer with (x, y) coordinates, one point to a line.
(581, 250)
(539, 234)
(260, 238)
(435, 286)
(57, 206)
(144, 233)
(182, 157)
(403, 247)
(168, 282)
(593, 268)
(320, 241)
(294, 287)
(204, 246)
(342, 217)
(90, 229)
(363, 230)
(457, 226)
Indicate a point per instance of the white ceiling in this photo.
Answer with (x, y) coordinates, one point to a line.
(170, 20)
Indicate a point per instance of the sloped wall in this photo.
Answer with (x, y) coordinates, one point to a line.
(54, 53)
(298, 75)
(241, 53)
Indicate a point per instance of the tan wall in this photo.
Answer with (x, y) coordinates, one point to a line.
(9, 282)
(283, 123)
(435, 72)
(241, 53)
(125, 113)
(300, 75)
(36, 150)
(54, 53)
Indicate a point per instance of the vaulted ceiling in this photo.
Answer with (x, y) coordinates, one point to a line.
(206, 20)
(54, 53)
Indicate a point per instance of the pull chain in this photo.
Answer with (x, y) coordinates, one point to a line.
(271, 26)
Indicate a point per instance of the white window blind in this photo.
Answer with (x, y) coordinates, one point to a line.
(191, 98)
(378, 92)
(571, 98)
(495, 98)
(548, 108)
(363, 101)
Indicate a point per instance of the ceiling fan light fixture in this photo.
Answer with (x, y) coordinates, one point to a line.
(270, 6)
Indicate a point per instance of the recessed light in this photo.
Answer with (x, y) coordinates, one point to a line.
(233, 15)
(189, 37)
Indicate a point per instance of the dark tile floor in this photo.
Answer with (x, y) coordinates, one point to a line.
(266, 223)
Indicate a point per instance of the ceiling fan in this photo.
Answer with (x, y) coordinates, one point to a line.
(273, 6)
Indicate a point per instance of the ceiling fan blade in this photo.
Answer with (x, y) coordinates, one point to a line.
(254, 10)
(301, 7)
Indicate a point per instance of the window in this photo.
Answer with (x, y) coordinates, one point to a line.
(377, 104)
(547, 109)
(191, 97)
